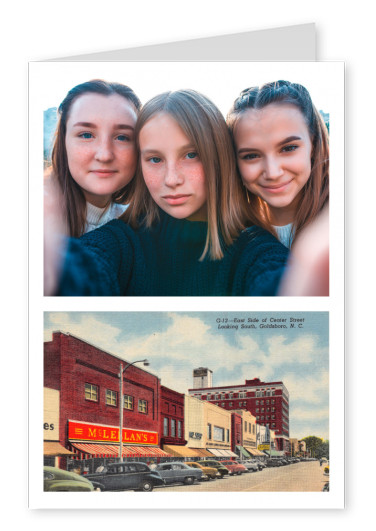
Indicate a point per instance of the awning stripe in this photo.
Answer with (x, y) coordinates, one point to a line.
(112, 450)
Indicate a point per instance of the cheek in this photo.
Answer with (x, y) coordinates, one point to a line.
(194, 173)
(77, 156)
(129, 160)
(248, 173)
(152, 177)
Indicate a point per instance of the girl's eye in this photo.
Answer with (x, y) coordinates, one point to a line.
(155, 160)
(250, 156)
(191, 155)
(85, 135)
(123, 138)
(292, 147)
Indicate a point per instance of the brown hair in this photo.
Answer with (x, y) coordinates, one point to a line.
(73, 196)
(204, 125)
(315, 193)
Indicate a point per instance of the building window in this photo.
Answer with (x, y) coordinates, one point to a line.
(230, 404)
(142, 406)
(245, 426)
(173, 425)
(227, 435)
(257, 402)
(209, 433)
(91, 392)
(111, 397)
(179, 429)
(128, 402)
(222, 404)
(219, 434)
(165, 427)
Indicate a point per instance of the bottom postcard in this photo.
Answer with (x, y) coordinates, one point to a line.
(205, 409)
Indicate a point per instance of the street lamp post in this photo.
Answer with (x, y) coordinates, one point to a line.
(121, 401)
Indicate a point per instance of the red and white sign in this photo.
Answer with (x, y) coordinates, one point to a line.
(83, 431)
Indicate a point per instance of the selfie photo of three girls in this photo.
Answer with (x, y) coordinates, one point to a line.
(173, 196)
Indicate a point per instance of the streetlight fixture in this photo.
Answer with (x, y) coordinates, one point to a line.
(121, 401)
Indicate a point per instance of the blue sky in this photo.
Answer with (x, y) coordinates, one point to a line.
(175, 343)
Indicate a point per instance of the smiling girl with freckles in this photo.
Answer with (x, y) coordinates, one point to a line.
(282, 150)
(187, 229)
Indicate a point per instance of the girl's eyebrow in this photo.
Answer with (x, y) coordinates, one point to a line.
(93, 126)
(289, 139)
(156, 150)
(285, 141)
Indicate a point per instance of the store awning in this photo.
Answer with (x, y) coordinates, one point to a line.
(112, 450)
(180, 451)
(55, 448)
(254, 452)
(201, 452)
(243, 451)
(222, 453)
(274, 453)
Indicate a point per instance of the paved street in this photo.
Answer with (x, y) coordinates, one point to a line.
(299, 477)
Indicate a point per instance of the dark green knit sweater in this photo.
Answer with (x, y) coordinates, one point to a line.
(164, 260)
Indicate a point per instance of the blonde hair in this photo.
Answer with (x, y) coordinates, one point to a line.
(204, 125)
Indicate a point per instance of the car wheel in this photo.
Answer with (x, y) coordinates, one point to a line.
(146, 486)
(189, 480)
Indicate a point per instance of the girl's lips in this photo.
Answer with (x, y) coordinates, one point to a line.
(276, 189)
(104, 173)
(178, 199)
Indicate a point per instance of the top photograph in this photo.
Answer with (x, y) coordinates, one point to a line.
(186, 179)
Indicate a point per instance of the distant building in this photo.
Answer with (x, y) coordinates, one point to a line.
(267, 401)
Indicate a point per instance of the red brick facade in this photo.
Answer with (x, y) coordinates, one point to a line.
(88, 381)
(172, 417)
(236, 431)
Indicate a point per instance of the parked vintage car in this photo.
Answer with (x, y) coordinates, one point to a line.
(126, 476)
(235, 468)
(215, 464)
(57, 480)
(208, 472)
(273, 462)
(251, 466)
(177, 472)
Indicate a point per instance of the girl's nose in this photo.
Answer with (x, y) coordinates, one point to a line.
(104, 152)
(273, 168)
(173, 176)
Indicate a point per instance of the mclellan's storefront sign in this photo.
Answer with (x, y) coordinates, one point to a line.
(83, 431)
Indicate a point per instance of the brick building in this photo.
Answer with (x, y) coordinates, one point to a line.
(87, 381)
(267, 401)
(171, 419)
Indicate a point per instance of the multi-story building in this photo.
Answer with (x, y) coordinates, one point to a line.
(171, 419)
(86, 381)
(207, 429)
(267, 401)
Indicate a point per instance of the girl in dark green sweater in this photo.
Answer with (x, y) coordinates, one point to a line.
(187, 230)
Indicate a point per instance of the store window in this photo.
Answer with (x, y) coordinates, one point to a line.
(128, 402)
(142, 406)
(219, 434)
(165, 427)
(91, 392)
(111, 397)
